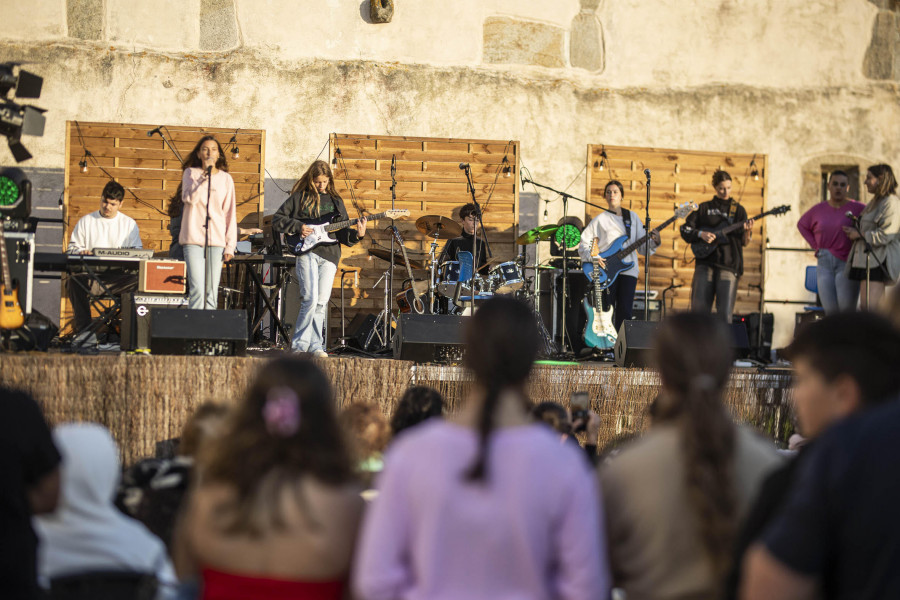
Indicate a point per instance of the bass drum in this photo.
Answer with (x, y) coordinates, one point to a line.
(448, 277)
(506, 278)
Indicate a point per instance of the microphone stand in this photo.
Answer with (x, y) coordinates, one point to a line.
(206, 242)
(390, 280)
(167, 143)
(868, 252)
(647, 251)
(487, 246)
(565, 198)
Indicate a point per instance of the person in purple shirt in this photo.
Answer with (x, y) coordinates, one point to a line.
(487, 504)
(822, 227)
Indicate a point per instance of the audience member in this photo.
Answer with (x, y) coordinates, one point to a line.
(419, 403)
(152, 490)
(567, 425)
(879, 223)
(368, 434)
(842, 364)
(490, 478)
(29, 485)
(675, 497)
(87, 534)
(275, 510)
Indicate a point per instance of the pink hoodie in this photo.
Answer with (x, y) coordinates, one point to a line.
(222, 215)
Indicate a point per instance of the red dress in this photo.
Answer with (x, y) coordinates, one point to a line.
(226, 586)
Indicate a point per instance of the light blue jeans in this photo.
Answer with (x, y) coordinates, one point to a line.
(193, 256)
(315, 277)
(836, 292)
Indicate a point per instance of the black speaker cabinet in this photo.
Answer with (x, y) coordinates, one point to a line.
(429, 338)
(361, 331)
(634, 344)
(136, 316)
(740, 339)
(760, 341)
(203, 332)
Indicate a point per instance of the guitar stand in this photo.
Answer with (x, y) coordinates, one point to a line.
(385, 319)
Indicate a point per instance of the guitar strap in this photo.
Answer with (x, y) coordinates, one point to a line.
(626, 219)
(732, 210)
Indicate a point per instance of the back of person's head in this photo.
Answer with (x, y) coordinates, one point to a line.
(418, 403)
(553, 414)
(887, 183)
(205, 424)
(501, 345)
(90, 466)
(283, 429)
(694, 357)
(863, 346)
(114, 191)
(366, 429)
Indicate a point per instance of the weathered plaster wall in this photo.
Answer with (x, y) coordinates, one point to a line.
(783, 78)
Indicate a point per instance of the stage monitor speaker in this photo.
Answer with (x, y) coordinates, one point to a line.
(361, 331)
(760, 342)
(136, 316)
(634, 344)
(741, 343)
(201, 332)
(429, 338)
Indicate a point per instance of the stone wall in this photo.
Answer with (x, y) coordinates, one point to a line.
(791, 79)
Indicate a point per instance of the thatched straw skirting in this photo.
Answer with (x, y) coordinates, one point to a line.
(147, 399)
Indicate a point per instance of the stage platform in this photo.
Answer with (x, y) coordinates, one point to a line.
(146, 399)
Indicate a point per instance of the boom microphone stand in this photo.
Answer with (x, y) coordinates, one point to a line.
(647, 251)
(471, 188)
(390, 274)
(565, 198)
(206, 242)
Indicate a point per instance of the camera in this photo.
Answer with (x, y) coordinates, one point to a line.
(580, 403)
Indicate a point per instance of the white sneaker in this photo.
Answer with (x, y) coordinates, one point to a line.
(320, 354)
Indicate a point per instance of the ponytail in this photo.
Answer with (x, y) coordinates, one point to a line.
(478, 469)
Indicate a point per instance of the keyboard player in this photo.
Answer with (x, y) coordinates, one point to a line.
(104, 228)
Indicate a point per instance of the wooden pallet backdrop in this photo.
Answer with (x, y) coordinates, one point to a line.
(679, 176)
(151, 173)
(429, 182)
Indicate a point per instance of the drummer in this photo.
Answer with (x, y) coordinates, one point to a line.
(468, 216)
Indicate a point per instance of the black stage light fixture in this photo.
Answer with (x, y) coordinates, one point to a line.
(17, 120)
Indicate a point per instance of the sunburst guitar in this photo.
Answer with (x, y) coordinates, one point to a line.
(11, 315)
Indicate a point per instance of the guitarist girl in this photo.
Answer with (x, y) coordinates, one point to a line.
(607, 227)
(716, 276)
(314, 199)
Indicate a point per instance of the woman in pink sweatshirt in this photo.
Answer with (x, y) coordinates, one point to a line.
(205, 166)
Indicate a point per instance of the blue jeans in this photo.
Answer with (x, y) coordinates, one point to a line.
(193, 256)
(836, 292)
(315, 277)
(714, 283)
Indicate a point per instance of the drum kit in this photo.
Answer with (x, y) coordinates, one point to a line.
(452, 283)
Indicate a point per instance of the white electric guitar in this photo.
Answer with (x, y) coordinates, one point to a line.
(319, 235)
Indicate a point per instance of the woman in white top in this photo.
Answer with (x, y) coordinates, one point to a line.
(606, 228)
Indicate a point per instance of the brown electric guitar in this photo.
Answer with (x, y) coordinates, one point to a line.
(11, 315)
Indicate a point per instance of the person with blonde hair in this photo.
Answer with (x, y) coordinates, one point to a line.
(314, 199)
(674, 498)
(276, 505)
(879, 225)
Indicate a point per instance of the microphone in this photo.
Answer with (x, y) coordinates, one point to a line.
(209, 171)
(463, 165)
(647, 173)
(850, 216)
(393, 164)
(154, 131)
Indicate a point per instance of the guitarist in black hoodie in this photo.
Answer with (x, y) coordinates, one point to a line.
(716, 276)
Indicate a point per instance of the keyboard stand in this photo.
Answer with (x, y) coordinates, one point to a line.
(108, 303)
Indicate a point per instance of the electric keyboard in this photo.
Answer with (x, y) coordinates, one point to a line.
(123, 252)
(59, 261)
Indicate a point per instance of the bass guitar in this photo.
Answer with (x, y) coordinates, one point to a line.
(410, 299)
(599, 331)
(325, 226)
(614, 256)
(11, 315)
(702, 249)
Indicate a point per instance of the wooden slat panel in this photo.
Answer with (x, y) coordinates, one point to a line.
(678, 176)
(429, 182)
(151, 173)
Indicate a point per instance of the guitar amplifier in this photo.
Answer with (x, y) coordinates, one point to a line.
(162, 277)
(136, 319)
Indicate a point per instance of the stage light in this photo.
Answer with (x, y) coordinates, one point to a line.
(83, 164)
(754, 172)
(17, 120)
(15, 193)
(236, 153)
(568, 236)
(507, 170)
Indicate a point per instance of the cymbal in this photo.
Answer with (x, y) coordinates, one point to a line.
(385, 255)
(542, 233)
(436, 226)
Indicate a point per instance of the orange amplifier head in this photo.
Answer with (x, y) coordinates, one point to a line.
(162, 277)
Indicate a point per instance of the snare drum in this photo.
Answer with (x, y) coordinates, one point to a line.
(506, 278)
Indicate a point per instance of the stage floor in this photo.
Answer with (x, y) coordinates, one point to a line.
(146, 399)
